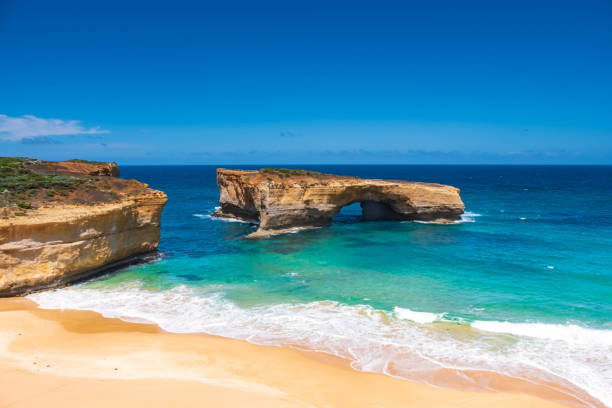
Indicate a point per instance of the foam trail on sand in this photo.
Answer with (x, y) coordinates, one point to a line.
(416, 343)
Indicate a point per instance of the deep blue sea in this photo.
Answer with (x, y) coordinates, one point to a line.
(522, 286)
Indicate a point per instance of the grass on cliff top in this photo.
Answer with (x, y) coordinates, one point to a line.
(85, 161)
(288, 172)
(16, 178)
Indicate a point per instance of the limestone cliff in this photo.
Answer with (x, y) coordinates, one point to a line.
(280, 199)
(64, 221)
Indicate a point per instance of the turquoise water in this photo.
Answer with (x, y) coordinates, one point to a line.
(522, 286)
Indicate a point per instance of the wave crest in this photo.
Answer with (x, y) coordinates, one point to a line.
(402, 343)
(418, 317)
(570, 333)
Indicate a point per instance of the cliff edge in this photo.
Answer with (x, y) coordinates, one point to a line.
(65, 221)
(282, 199)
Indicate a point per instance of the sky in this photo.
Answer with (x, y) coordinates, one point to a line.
(307, 82)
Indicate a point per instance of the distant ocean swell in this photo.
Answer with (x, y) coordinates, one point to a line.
(402, 343)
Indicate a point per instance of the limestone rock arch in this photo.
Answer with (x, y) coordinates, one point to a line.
(282, 199)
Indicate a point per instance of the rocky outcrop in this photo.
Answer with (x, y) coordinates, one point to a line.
(281, 199)
(98, 222)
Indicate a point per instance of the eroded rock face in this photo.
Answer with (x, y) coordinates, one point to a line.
(285, 199)
(102, 222)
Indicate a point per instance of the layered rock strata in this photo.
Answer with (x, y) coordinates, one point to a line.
(282, 199)
(97, 222)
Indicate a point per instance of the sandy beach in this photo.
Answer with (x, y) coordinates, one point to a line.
(74, 358)
(371, 204)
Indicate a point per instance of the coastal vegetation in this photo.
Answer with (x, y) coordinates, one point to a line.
(288, 172)
(17, 178)
(85, 161)
(20, 185)
(27, 184)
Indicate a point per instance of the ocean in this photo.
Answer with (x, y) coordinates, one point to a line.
(522, 285)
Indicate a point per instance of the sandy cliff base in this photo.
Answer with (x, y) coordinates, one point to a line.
(80, 359)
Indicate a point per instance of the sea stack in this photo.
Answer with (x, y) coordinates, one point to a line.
(283, 199)
(65, 221)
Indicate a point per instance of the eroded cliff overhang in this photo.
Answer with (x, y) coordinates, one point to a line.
(65, 221)
(281, 199)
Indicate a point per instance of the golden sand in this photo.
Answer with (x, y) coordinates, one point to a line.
(70, 358)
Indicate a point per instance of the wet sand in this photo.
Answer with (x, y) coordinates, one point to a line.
(69, 358)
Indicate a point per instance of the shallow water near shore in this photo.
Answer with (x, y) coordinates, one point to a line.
(521, 286)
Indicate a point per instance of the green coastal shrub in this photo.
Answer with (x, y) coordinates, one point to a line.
(18, 179)
(288, 172)
(85, 161)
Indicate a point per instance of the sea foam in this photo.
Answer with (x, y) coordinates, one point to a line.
(569, 333)
(467, 216)
(210, 217)
(419, 317)
(402, 343)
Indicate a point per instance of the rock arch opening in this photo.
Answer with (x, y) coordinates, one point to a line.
(349, 214)
(367, 210)
(380, 211)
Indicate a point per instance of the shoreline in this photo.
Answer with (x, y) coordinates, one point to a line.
(50, 355)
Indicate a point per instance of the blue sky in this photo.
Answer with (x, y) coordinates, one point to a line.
(247, 82)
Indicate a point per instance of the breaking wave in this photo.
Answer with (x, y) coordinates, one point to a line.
(418, 317)
(402, 343)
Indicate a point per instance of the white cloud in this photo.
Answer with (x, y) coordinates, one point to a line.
(14, 129)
